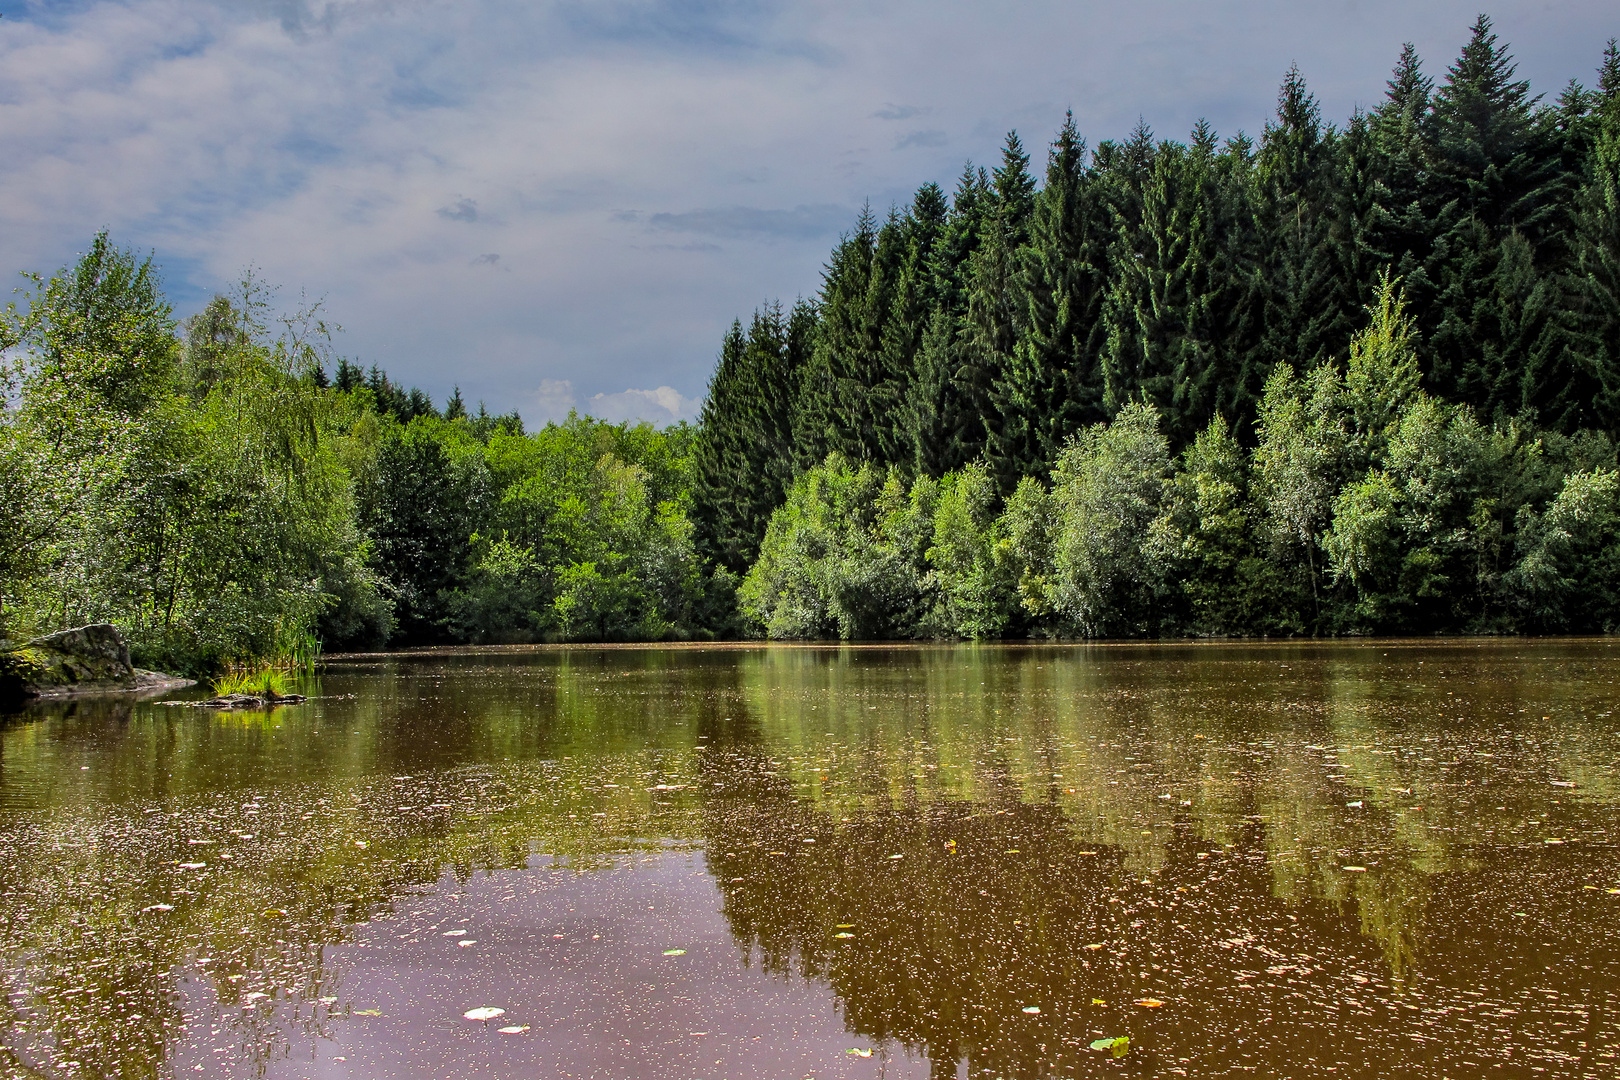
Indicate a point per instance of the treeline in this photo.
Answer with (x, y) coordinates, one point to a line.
(210, 488)
(1366, 505)
(976, 336)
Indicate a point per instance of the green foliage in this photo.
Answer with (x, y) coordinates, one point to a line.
(264, 682)
(843, 556)
(1112, 555)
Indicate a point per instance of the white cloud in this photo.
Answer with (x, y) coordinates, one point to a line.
(553, 400)
(664, 405)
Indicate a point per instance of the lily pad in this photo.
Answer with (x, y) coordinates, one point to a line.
(1116, 1046)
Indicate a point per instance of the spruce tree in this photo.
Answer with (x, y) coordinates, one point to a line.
(1051, 383)
(948, 396)
(1307, 307)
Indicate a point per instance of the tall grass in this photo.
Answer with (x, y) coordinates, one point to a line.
(263, 682)
(297, 651)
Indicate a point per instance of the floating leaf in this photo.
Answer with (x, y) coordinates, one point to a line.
(1354, 869)
(896, 856)
(466, 942)
(858, 1052)
(1032, 1010)
(1116, 1046)
(674, 952)
(274, 912)
(846, 926)
(843, 934)
(1094, 946)
(368, 1012)
(1149, 1003)
(1012, 851)
(192, 865)
(515, 1029)
(1098, 1001)
(484, 1013)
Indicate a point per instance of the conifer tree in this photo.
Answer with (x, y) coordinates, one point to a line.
(1307, 310)
(948, 395)
(1051, 385)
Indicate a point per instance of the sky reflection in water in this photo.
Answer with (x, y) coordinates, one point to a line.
(1374, 859)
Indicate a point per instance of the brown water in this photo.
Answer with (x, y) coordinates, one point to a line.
(1381, 859)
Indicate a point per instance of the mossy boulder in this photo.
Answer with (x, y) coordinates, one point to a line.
(83, 660)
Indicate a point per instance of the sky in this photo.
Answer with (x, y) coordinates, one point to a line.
(557, 204)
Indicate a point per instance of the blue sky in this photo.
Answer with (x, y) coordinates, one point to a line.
(564, 204)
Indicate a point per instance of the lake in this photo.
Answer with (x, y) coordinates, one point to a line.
(1386, 858)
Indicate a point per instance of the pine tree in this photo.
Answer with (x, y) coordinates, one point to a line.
(455, 408)
(720, 461)
(948, 396)
(1307, 308)
(1400, 229)
(1594, 287)
(1175, 307)
(1050, 384)
(994, 302)
(1494, 173)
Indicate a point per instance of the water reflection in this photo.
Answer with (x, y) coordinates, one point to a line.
(1371, 860)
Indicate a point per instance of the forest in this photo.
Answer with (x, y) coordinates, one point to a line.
(1336, 380)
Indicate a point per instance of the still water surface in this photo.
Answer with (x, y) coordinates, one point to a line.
(1381, 859)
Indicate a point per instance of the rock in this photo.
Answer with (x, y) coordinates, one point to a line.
(85, 660)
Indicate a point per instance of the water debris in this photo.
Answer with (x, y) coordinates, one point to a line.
(1149, 1003)
(483, 1014)
(192, 865)
(843, 934)
(674, 952)
(466, 942)
(896, 856)
(157, 907)
(1116, 1046)
(515, 1029)
(367, 1012)
(858, 1052)
(1354, 869)
(453, 933)
(1356, 804)
(1094, 946)
(1032, 1010)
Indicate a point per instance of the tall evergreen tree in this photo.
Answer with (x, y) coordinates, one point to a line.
(1308, 309)
(1051, 383)
(948, 396)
